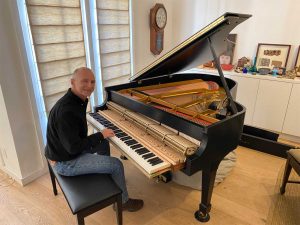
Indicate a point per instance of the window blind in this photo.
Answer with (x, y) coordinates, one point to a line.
(57, 34)
(114, 40)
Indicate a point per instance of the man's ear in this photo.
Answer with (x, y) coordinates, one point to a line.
(72, 81)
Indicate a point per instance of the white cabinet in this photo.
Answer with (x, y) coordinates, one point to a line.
(291, 124)
(271, 104)
(246, 95)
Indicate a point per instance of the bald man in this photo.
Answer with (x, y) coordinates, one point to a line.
(70, 150)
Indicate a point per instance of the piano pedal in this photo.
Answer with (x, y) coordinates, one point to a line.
(164, 177)
(123, 157)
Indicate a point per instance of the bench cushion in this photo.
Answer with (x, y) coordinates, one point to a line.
(87, 190)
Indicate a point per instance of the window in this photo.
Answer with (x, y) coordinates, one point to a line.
(61, 36)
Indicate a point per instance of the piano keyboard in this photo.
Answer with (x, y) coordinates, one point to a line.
(143, 157)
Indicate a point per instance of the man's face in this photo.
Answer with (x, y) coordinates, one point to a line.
(83, 84)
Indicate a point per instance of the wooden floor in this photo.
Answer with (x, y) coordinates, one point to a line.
(243, 198)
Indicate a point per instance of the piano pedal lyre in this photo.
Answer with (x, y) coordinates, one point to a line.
(165, 177)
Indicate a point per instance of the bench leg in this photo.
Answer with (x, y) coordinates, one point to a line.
(286, 175)
(80, 220)
(52, 179)
(119, 210)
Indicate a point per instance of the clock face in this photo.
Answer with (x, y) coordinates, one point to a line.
(161, 17)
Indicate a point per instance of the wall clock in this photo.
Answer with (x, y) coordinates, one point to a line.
(158, 21)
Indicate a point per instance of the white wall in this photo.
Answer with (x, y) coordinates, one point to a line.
(20, 139)
(272, 21)
(142, 55)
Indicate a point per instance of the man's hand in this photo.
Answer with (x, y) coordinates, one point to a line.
(108, 133)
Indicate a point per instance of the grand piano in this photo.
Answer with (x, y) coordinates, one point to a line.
(166, 121)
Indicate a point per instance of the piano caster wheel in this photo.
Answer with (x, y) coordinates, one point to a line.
(123, 157)
(201, 217)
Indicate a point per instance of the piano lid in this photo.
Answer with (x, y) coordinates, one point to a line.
(195, 50)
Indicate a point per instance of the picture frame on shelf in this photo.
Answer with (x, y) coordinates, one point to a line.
(227, 55)
(272, 55)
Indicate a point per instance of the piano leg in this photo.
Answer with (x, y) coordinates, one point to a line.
(208, 180)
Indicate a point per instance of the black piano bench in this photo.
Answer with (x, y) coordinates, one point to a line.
(293, 161)
(88, 193)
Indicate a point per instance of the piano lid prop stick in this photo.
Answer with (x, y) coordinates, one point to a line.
(232, 105)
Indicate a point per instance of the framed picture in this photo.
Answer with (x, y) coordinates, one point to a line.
(297, 63)
(227, 56)
(272, 55)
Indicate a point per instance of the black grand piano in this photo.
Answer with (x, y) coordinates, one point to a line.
(170, 106)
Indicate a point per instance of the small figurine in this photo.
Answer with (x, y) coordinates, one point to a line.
(253, 68)
(242, 63)
(209, 64)
(274, 71)
(290, 74)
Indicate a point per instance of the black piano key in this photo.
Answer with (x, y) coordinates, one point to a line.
(130, 142)
(141, 151)
(107, 125)
(114, 128)
(118, 131)
(126, 138)
(145, 149)
(119, 135)
(147, 156)
(155, 159)
(101, 118)
(136, 146)
(152, 160)
(156, 162)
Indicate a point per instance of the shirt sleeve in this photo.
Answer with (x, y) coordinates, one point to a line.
(68, 131)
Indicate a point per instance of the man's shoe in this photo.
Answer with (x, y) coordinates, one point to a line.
(132, 205)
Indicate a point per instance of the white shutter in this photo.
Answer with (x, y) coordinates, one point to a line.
(57, 35)
(114, 40)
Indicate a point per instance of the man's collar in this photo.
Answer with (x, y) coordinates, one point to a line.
(76, 98)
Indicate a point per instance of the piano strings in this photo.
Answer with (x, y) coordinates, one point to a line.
(188, 99)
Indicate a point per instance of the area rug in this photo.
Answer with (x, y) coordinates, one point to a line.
(285, 209)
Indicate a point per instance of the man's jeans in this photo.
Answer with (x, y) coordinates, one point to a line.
(101, 162)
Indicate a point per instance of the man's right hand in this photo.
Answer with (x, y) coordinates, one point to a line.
(107, 133)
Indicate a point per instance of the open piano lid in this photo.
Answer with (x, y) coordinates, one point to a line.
(195, 50)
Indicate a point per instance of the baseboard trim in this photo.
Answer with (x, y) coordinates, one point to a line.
(264, 141)
(25, 180)
(34, 175)
(265, 145)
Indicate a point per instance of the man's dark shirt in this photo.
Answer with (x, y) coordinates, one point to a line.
(67, 129)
